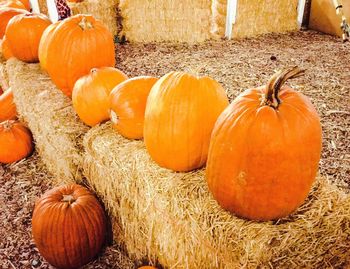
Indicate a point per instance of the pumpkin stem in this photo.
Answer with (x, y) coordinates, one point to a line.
(68, 198)
(7, 125)
(276, 82)
(85, 24)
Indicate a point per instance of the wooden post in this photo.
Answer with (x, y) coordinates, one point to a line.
(230, 17)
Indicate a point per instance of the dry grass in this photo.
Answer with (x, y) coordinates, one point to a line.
(171, 217)
(51, 118)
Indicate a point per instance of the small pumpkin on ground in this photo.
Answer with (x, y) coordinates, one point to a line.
(180, 114)
(87, 44)
(6, 52)
(15, 141)
(128, 103)
(6, 14)
(68, 226)
(23, 34)
(7, 106)
(91, 94)
(264, 151)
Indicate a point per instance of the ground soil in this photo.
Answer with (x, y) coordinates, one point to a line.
(238, 65)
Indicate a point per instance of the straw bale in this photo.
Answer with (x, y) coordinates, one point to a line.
(166, 20)
(51, 118)
(4, 81)
(171, 217)
(265, 16)
(105, 11)
(43, 7)
(219, 10)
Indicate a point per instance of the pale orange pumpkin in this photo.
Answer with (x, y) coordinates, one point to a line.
(87, 44)
(44, 42)
(15, 141)
(128, 103)
(6, 14)
(26, 4)
(7, 106)
(180, 114)
(5, 50)
(264, 151)
(69, 226)
(91, 94)
(23, 34)
(13, 4)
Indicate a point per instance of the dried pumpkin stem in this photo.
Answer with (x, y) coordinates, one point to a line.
(276, 82)
(7, 125)
(85, 24)
(68, 198)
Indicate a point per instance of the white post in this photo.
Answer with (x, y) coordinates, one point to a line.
(301, 11)
(230, 17)
(35, 6)
(52, 9)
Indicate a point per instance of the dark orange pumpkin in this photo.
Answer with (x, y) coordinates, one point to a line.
(6, 14)
(128, 104)
(7, 106)
(87, 44)
(6, 52)
(23, 34)
(68, 226)
(91, 94)
(264, 151)
(180, 114)
(15, 141)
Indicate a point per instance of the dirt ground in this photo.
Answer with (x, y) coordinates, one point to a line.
(238, 65)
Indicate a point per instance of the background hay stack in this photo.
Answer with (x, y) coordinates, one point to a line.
(51, 118)
(4, 80)
(219, 10)
(105, 10)
(166, 20)
(171, 217)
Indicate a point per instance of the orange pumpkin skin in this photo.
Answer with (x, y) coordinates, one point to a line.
(13, 4)
(26, 4)
(264, 153)
(7, 106)
(128, 103)
(6, 52)
(91, 94)
(15, 141)
(45, 40)
(180, 114)
(68, 226)
(87, 44)
(23, 34)
(6, 14)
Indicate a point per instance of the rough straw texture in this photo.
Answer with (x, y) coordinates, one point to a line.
(219, 10)
(51, 118)
(171, 217)
(265, 16)
(4, 80)
(105, 11)
(166, 20)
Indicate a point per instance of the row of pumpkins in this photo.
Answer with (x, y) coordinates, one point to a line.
(261, 152)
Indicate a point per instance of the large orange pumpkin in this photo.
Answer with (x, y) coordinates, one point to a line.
(7, 106)
(23, 34)
(26, 4)
(15, 141)
(264, 151)
(68, 226)
(44, 42)
(87, 44)
(91, 94)
(5, 50)
(6, 14)
(128, 104)
(13, 4)
(180, 114)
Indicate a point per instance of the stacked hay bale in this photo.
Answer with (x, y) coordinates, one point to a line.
(219, 10)
(43, 7)
(106, 11)
(171, 217)
(56, 128)
(4, 81)
(166, 20)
